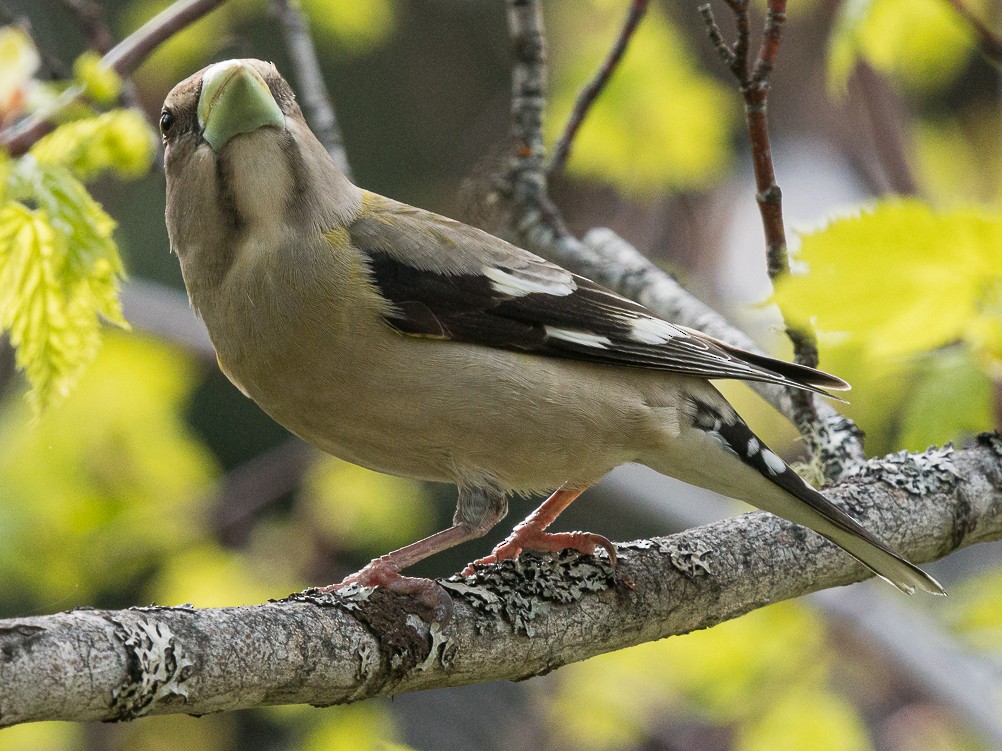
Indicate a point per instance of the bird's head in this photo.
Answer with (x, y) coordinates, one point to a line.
(235, 104)
(241, 162)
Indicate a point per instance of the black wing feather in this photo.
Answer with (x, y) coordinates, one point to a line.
(592, 323)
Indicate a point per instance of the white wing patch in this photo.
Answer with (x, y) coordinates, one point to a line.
(512, 285)
(578, 337)
(653, 330)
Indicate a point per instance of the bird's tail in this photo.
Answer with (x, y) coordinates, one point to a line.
(818, 513)
(775, 487)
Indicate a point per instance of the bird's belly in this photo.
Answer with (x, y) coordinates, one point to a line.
(467, 415)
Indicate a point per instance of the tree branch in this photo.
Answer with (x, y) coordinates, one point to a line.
(513, 621)
(534, 223)
(586, 98)
(753, 81)
(123, 58)
(312, 89)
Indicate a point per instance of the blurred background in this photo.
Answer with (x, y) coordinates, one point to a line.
(157, 481)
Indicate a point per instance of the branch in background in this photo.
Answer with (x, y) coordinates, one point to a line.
(52, 67)
(123, 58)
(312, 90)
(256, 484)
(90, 19)
(594, 87)
(513, 621)
(535, 224)
(989, 43)
(883, 155)
(753, 81)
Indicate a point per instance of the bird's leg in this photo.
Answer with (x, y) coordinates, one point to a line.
(477, 511)
(531, 534)
(385, 570)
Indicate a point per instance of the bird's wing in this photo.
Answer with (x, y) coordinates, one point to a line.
(446, 280)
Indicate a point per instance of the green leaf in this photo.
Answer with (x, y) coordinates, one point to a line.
(120, 141)
(99, 82)
(922, 44)
(59, 272)
(812, 719)
(881, 277)
(659, 125)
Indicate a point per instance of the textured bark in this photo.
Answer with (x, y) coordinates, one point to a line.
(513, 621)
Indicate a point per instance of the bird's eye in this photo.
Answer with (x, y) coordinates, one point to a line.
(166, 121)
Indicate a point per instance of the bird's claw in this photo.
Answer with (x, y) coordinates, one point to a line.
(382, 573)
(584, 543)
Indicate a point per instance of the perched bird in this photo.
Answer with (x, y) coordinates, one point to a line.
(416, 345)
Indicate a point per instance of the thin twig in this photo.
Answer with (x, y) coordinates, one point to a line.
(123, 58)
(525, 22)
(534, 222)
(313, 91)
(588, 95)
(753, 81)
(989, 43)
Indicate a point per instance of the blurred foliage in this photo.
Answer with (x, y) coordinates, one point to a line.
(959, 158)
(762, 677)
(921, 44)
(105, 483)
(660, 124)
(978, 612)
(877, 281)
(345, 27)
(106, 499)
(356, 509)
(350, 27)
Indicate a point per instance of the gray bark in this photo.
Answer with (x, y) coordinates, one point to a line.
(513, 621)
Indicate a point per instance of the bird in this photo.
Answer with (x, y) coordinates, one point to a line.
(413, 344)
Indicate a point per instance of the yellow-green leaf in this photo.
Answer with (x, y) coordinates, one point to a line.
(815, 720)
(99, 82)
(900, 277)
(18, 62)
(923, 44)
(951, 399)
(120, 141)
(355, 28)
(349, 506)
(106, 482)
(59, 273)
(660, 124)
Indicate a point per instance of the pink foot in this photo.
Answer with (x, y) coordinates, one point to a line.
(584, 543)
(381, 573)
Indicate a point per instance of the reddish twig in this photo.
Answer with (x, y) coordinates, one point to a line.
(123, 58)
(588, 95)
(989, 43)
(753, 80)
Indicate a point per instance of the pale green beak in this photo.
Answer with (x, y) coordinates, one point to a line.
(235, 99)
